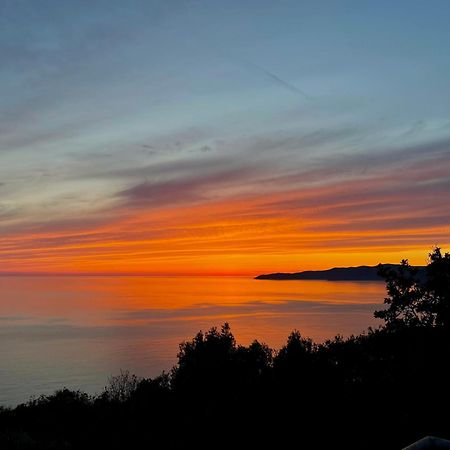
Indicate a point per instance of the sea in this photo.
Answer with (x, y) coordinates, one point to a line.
(78, 331)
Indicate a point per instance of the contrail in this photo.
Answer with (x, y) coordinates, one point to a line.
(264, 71)
(277, 79)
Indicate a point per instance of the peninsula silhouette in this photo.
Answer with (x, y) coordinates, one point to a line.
(359, 273)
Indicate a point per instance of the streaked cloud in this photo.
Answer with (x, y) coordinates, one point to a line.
(181, 138)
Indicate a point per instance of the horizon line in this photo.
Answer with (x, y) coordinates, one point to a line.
(164, 275)
(116, 274)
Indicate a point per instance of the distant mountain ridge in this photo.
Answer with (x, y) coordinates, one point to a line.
(360, 273)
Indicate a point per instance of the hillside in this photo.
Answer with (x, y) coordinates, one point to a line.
(360, 273)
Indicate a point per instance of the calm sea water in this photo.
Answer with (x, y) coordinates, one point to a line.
(77, 331)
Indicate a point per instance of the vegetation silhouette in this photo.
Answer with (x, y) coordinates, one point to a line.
(382, 389)
(417, 300)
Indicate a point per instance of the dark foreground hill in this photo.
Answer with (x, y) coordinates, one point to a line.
(360, 273)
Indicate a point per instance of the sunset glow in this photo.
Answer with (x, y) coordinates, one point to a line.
(126, 152)
(224, 222)
(360, 220)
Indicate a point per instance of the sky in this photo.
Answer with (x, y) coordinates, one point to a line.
(211, 137)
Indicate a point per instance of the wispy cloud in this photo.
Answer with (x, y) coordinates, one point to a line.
(126, 140)
(371, 205)
(192, 189)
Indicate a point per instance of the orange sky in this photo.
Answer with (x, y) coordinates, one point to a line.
(287, 226)
(207, 139)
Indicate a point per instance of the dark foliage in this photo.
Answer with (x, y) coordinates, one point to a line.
(414, 300)
(382, 389)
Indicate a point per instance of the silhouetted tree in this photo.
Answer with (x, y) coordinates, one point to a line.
(121, 387)
(405, 297)
(414, 299)
(205, 360)
(438, 287)
(297, 353)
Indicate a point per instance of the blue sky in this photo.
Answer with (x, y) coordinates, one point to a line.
(105, 103)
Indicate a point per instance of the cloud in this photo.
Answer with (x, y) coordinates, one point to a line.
(190, 189)
(191, 213)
